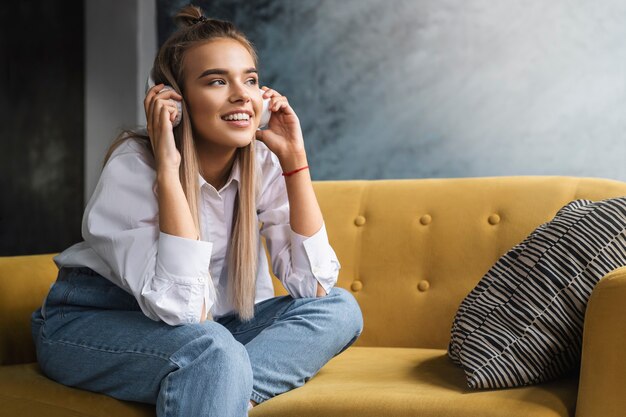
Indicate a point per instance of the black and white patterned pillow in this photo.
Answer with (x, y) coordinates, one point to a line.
(522, 324)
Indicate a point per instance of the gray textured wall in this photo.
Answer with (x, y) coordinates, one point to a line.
(410, 89)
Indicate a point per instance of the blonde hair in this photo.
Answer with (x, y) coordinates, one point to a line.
(168, 69)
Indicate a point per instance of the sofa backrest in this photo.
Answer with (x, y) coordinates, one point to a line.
(24, 283)
(410, 251)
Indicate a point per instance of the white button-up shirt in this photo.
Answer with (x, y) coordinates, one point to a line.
(171, 276)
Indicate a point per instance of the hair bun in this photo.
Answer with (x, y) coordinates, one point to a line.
(189, 16)
(202, 18)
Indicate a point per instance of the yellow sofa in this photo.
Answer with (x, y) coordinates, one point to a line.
(410, 251)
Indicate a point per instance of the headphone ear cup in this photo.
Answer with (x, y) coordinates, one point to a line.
(179, 107)
(266, 114)
(149, 83)
(179, 115)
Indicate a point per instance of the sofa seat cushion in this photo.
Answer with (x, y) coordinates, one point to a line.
(25, 391)
(397, 382)
(362, 381)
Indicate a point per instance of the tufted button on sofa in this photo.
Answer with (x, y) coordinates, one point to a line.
(410, 251)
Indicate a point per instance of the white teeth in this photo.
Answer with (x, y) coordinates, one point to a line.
(237, 116)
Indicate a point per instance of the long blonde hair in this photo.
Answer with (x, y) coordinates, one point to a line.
(168, 69)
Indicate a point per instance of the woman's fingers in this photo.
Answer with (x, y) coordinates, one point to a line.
(161, 111)
(164, 121)
(171, 106)
(168, 107)
(148, 101)
(268, 92)
(163, 96)
(155, 93)
(160, 129)
(168, 155)
(278, 102)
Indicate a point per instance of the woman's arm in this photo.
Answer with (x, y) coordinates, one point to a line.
(284, 138)
(174, 214)
(168, 275)
(305, 215)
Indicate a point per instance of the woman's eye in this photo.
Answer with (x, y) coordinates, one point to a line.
(252, 81)
(216, 81)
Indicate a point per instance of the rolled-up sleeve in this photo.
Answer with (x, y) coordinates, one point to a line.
(299, 262)
(178, 289)
(314, 255)
(168, 275)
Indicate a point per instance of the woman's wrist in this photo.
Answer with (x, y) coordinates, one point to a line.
(293, 161)
(167, 175)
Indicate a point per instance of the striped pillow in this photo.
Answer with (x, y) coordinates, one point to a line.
(522, 324)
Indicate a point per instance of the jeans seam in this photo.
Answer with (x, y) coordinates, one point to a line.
(265, 324)
(66, 342)
(66, 296)
(257, 398)
(167, 396)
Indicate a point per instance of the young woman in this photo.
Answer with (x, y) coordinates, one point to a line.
(169, 300)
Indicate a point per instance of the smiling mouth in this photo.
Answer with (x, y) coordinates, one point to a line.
(238, 123)
(237, 117)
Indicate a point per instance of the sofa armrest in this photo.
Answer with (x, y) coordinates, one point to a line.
(603, 366)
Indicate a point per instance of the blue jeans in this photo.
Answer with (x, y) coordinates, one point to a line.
(91, 334)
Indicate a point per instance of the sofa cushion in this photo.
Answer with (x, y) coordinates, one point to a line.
(403, 382)
(523, 322)
(361, 381)
(25, 391)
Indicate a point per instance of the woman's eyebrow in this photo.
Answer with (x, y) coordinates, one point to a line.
(222, 71)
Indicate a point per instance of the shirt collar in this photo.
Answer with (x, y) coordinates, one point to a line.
(235, 175)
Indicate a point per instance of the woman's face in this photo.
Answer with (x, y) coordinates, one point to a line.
(220, 80)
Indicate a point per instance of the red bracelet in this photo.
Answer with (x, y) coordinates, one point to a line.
(286, 174)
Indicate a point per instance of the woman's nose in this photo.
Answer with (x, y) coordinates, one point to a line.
(240, 93)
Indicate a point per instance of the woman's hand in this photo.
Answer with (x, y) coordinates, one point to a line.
(161, 111)
(283, 135)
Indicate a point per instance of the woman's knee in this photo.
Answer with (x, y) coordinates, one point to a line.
(216, 348)
(348, 310)
(213, 363)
